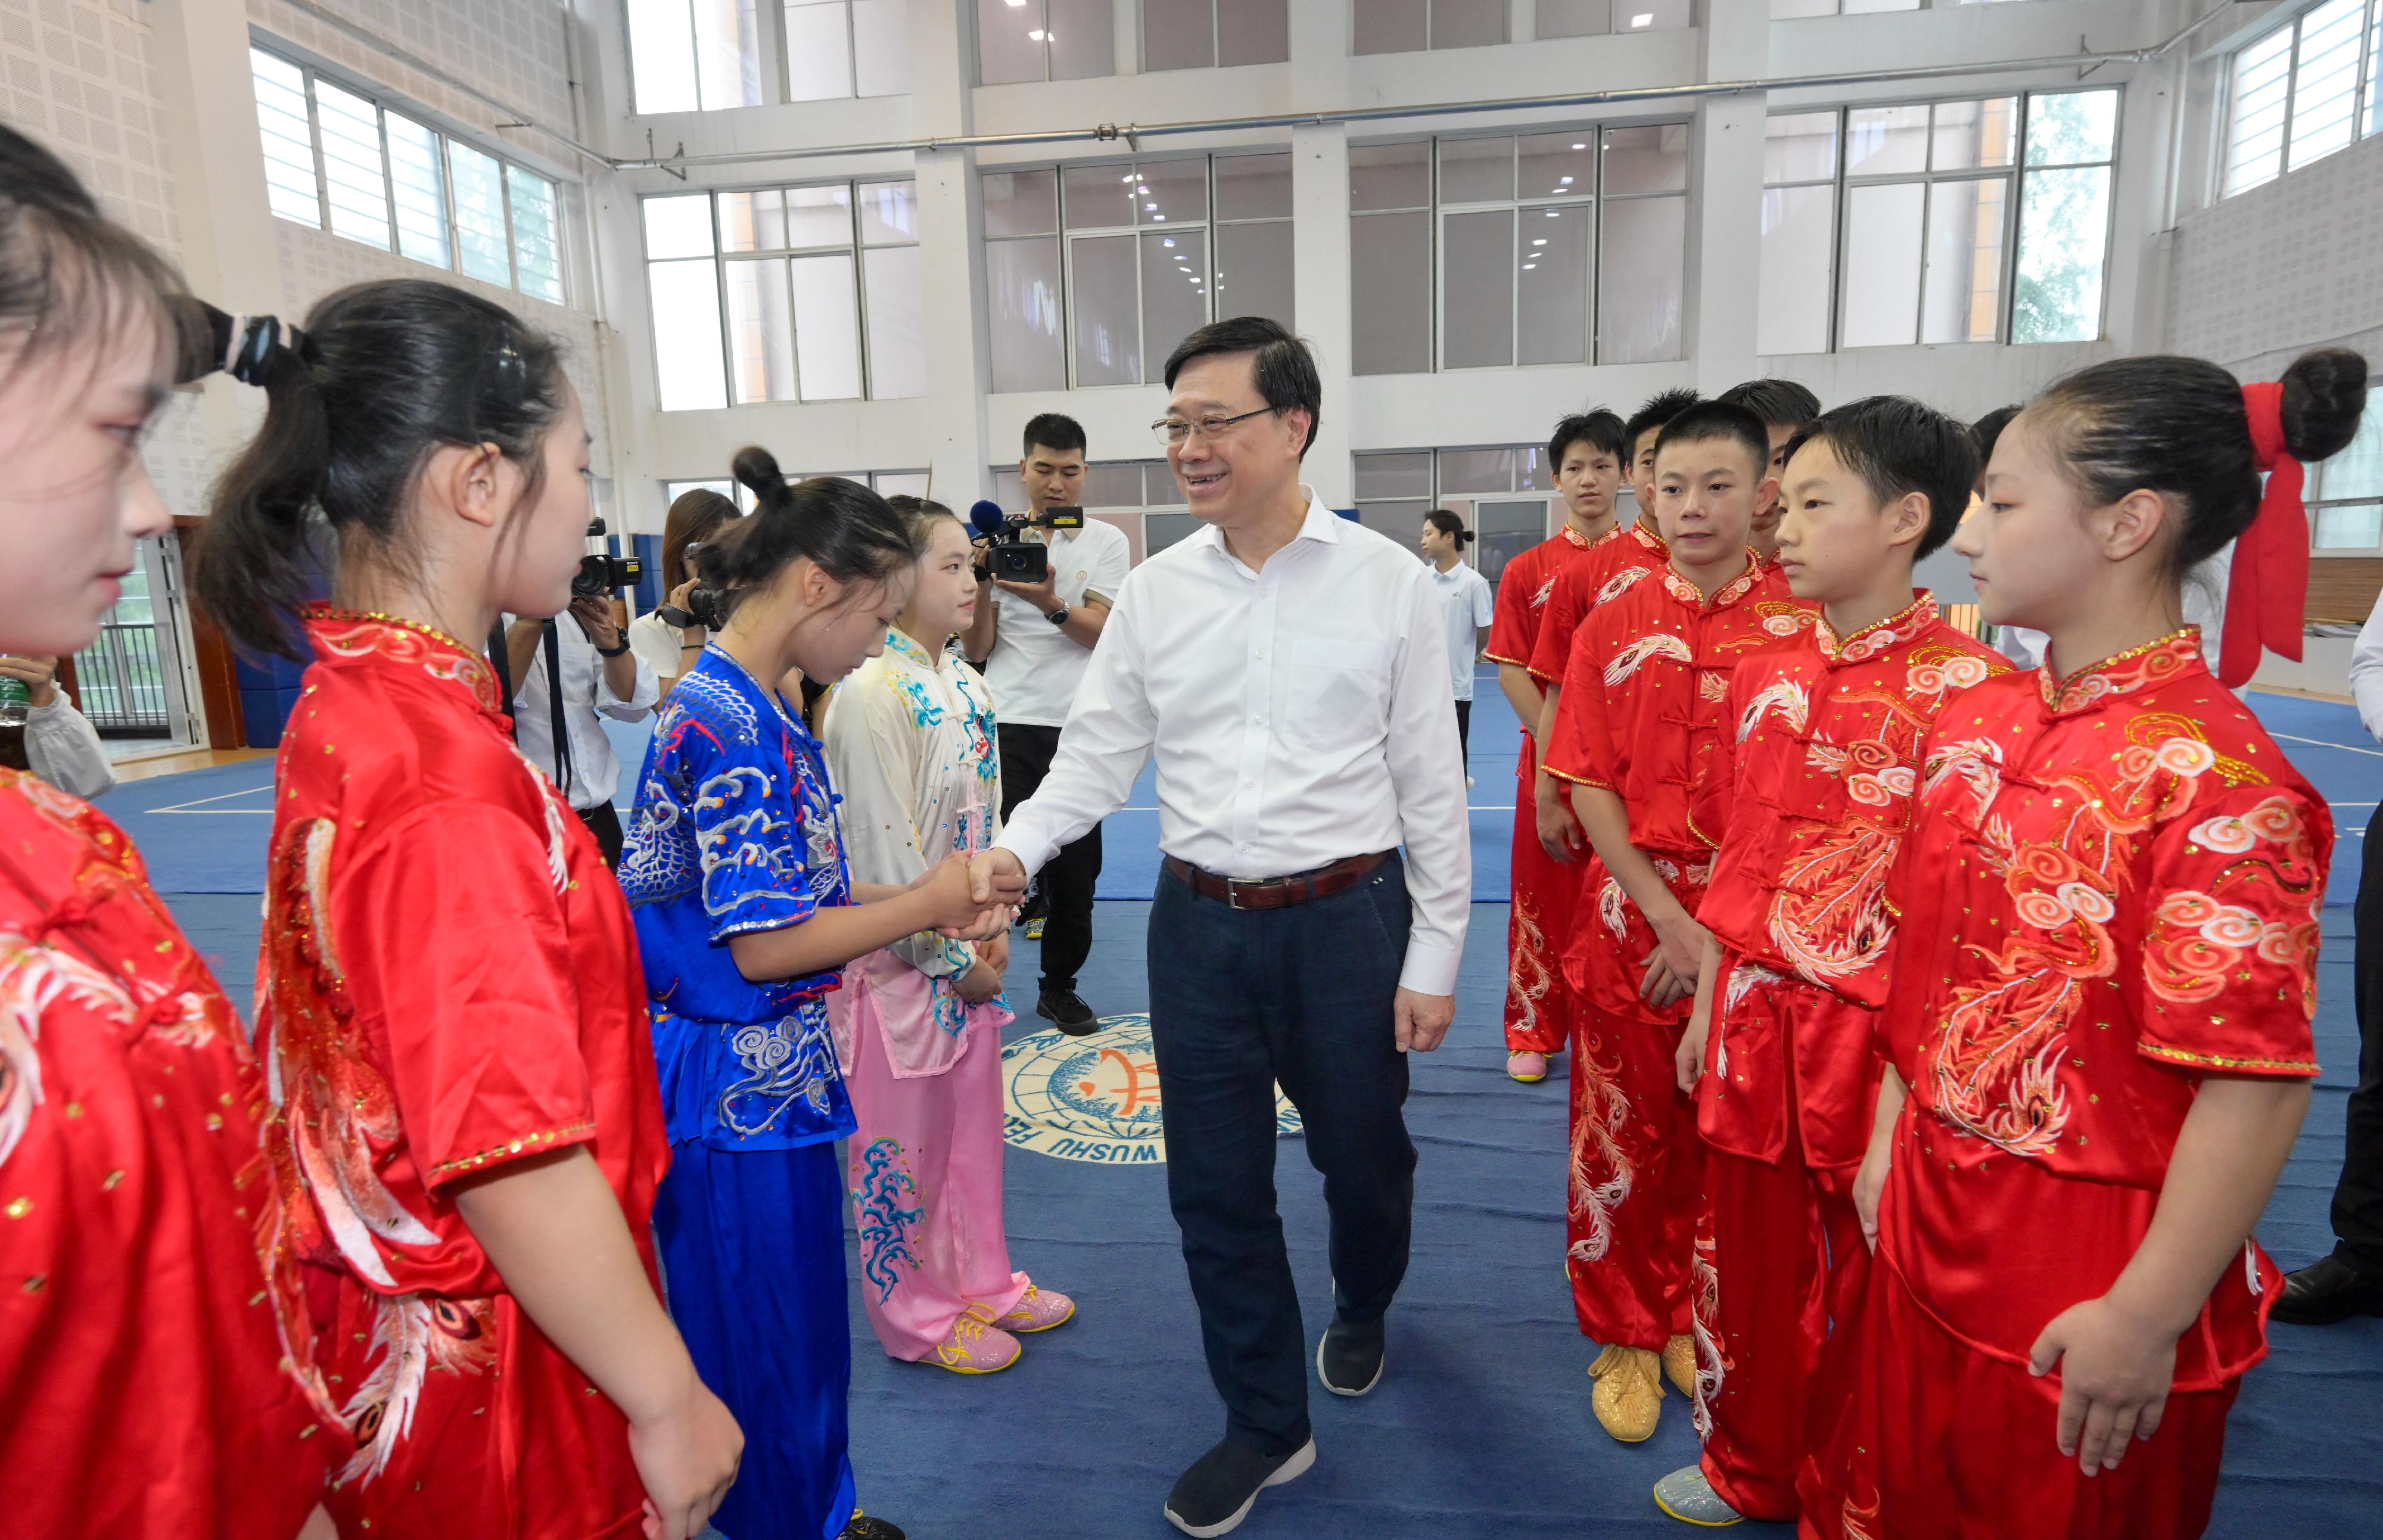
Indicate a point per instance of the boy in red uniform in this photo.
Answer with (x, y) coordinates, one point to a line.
(1633, 734)
(1787, 409)
(1586, 452)
(2102, 987)
(1812, 781)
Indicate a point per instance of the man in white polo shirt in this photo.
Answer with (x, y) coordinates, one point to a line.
(1467, 604)
(1033, 640)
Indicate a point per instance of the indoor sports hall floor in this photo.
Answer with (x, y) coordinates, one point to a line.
(1481, 1426)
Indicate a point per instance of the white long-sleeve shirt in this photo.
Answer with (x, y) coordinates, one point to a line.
(1299, 715)
(595, 769)
(64, 749)
(2367, 671)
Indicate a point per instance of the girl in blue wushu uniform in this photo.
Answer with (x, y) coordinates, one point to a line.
(745, 916)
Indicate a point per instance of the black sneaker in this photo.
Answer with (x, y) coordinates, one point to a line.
(1217, 1492)
(1349, 1360)
(1066, 1010)
(863, 1527)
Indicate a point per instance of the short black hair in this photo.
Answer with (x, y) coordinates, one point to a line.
(1598, 428)
(1779, 402)
(1447, 523)
(1660, 409)
(1710, 420)
(1283, 367)
(1053, 430)
(1898, 446)
(1987, 430)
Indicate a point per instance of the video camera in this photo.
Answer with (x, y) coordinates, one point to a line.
(602, 574)
(1008, 554)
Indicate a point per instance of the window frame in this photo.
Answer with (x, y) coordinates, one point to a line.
(2319, 504)
(2362, 116)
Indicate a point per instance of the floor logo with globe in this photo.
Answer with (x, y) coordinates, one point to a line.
(1095, 1098)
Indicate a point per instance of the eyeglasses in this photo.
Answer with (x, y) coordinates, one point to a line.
(1175, 430)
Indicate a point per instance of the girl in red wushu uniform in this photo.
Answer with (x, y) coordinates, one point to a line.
(1587, 453)
(1633, 734)
(466, 1130)
(143, 1389)
(2102, 988)
(1812, 781)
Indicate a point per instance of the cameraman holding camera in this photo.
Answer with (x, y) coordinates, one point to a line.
(584, 645)
(1034, 641)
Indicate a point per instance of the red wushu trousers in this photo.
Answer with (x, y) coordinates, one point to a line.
(1808, 792)
(2108, 892)
(1638, 717)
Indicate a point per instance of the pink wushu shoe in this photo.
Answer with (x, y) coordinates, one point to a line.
(1037, 1311)
(975, 1346)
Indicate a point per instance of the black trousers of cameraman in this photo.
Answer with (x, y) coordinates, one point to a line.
(1068, 881)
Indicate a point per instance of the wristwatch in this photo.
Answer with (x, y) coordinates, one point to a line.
(1058, 616)
(614, 652)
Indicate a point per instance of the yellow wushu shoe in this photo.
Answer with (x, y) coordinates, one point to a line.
(975, 1346)
(1628, 1396)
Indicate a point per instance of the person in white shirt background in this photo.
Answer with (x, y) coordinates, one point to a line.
(1288, 670)
(599, 674)
(670, 650)
(1034, 641)
(55, 742)
(1467, 606)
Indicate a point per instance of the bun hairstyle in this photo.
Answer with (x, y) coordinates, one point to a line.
(69, 274)
(1450, 525)
(2177, 427)
(383, 375)
(842, 527)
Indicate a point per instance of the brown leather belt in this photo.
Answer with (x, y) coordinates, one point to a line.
(1277, 893)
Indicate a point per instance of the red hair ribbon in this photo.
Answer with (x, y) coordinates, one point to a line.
(2266, 596)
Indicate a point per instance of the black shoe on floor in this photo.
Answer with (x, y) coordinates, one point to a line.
(1217, 1492)
(1349, 1360)
(1065, 1009)
(2326, 1291)
(863, 1527)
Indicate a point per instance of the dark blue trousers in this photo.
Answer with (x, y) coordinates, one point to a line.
(1241, 1000)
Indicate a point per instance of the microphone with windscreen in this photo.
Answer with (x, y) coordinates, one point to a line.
(985, 516)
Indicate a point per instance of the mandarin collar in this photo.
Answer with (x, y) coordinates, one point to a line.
(349, 634)
(1727, 594)
(899, 643)
(1879, 637)
(2172, 656)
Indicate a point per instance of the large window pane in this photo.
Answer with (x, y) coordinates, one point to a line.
(1112, 486)
(753, 221)
(2263, 79)
(1083, 39)
(1253, 31)
(1552, 298)
(1881, 277)
(1100, 197)
(686, 334)
(479, 183)
(662, 56)
(1964, 274)
(1105, 316)
(889, 212)
(1476, 170)
(1021, 282)
(1558, 166)
(1799, 233)
(1973, 135)
(1389, 176)
(1647, 160)
(418, 182)
(2352, 526)
(1640, 298)
(2356, 472)
(1575, 18)
(819, 51)
(1178, 35)
(1172, 192)
(1885, 141)
(1800, 147)
(1478, 290)
(538, 241)
(1008, 42)
(727, 54)
(1254, 187)
(897, 323)
(1462, 470)
(760, 331)
(1174, 294)
(353, 170)
(2072, 128)
(1403, 475)
(2063, 231)
(1506, 530)
(2325, 80)
(1467, 23)
(819, 216)
(827, 326)
(287, 139)
(1389, 292)
(1021, 203)
(678, 227)
(1253, 272)
(1392, 26)
(881, 47)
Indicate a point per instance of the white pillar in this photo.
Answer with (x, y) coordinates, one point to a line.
(951, 244)
(1319, 206)
(1725, 224)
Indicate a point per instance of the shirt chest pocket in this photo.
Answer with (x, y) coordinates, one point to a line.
(1335, 691)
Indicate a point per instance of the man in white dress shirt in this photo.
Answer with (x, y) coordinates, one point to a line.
(1288, 670)
(600, 674)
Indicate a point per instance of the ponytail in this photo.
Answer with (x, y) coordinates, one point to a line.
(383, 375)
(844, 529)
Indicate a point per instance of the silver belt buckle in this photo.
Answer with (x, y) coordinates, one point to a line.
(1233, 891)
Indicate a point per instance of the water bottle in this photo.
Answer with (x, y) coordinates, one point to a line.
(15, 702)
